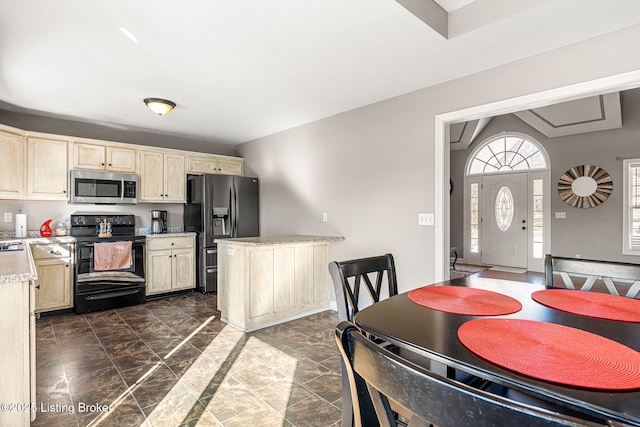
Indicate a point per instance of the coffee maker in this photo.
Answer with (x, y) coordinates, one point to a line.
(158, 221)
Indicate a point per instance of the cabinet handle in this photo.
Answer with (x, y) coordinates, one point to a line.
(172, 243)
(64, 191)
(110, 164)
(175, 256)
(101, 164)
(169, 256)
(38, 287)
(66, 265)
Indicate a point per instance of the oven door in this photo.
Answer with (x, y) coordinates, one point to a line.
(100, 290)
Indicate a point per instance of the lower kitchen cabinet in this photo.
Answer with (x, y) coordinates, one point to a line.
(171, 263)
(18, 344)
(264, 284)
(54, 266)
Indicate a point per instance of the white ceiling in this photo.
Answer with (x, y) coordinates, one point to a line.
(240, 69)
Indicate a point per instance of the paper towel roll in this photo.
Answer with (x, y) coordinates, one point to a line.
(21, 225)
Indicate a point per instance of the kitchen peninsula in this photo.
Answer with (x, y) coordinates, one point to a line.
(17, 334)
(264, 281)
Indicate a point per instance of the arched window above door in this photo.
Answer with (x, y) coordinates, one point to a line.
(507, 152)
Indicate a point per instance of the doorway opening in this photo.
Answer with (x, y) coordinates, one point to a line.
(619, 82)
(506, 203)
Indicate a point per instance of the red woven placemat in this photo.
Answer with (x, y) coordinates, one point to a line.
(554, 353)
(591, 304)
(469, 301)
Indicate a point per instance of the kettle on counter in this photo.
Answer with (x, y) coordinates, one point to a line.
(45, 230)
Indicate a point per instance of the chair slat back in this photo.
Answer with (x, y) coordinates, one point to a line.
(428, 398)
(350, 276)
(593, 270)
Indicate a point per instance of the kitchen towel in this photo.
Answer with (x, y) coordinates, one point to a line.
(111, 256)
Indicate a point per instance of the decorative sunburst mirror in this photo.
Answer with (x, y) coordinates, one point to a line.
(585, 186)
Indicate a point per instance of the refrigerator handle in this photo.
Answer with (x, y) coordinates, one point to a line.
(232, 208)
(236, 210)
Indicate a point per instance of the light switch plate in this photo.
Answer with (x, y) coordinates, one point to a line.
(8, 217)
(425, 219)
(325, 217)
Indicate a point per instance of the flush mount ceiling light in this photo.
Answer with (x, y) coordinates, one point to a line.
(160, 106)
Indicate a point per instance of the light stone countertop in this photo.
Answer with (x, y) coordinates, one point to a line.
(278, 240)
(18, 266)
(165, 235)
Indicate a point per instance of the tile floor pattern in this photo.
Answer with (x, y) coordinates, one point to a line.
(172, 362)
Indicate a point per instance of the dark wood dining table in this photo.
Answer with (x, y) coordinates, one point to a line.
(432, 336)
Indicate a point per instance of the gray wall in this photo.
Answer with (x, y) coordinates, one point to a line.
(85, 130)
(594, 233)
(372, 169)
(38, 212)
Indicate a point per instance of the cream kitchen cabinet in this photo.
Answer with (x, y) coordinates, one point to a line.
(47, 169)
(264, 281)
(54, 286)
(12, 161)
(101, 157)
(162, 177)
(18, 344)
(214, 164)
(171, 263)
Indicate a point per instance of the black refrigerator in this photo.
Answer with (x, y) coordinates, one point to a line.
(218, 206)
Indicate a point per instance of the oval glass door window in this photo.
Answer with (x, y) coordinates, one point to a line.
(504, 208)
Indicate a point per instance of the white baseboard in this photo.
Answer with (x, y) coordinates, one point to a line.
(333, 306)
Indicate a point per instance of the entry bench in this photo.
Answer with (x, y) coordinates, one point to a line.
(592, 270)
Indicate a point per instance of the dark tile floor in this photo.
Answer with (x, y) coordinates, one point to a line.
(172, 362)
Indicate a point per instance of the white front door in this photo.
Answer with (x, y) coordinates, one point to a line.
(504, 220)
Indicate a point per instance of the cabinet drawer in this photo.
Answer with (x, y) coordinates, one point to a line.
(164, 243)
(64, 251)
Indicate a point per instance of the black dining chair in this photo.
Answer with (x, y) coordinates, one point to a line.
(350, 276)
(594, 270)
(380, 379)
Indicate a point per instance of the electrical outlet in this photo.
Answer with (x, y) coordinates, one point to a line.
(325, 217)
(561, 215)
(8, 217)
(578, 256)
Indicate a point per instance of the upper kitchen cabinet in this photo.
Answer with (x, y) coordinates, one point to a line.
(103, 157)
(47, 169)
(12, 163)
(162, 177)
(214, 164)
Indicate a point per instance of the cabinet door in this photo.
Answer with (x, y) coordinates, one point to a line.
(261, 286)
(184, 268)
(47, 169)
(88, 156)
(121, 159)
(202, 164)
(11, 166)
(53, 287)
(230, 167)
(159, 271)
(175, 178)
(303, 282)
(151, 176)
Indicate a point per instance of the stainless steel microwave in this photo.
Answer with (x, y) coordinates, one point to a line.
(103, 188)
